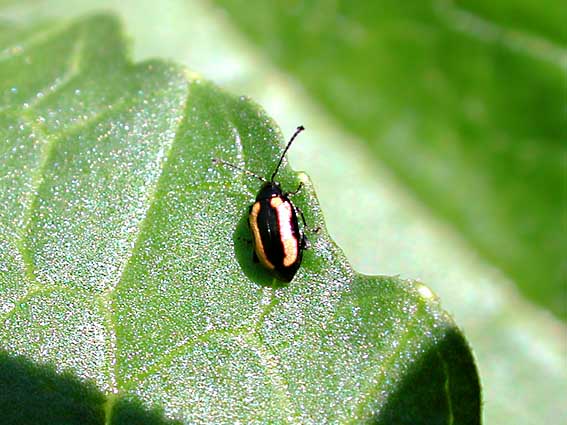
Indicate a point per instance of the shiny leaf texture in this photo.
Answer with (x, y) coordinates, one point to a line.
(128, 292)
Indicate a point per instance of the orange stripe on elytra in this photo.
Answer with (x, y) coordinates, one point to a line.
(288, 239)
(258, 246)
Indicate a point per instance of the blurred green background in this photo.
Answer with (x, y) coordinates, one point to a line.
(466, 120)
(437, 142)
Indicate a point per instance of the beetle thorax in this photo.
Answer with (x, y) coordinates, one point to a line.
(269, 190)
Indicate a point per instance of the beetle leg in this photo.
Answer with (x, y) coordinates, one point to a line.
(247, 241)
(255, 257)
(296, 190)
(305, 244)
(301, 214)
(307, 228)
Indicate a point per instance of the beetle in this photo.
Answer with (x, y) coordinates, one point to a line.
(278, 240)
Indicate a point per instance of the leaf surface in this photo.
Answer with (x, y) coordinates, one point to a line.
(125, 261)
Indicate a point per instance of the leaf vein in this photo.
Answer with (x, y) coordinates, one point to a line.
(38, 290)
(446, 388)
(38, 177)
(72, 71)
(269, 362)
(33, 40)
(167, 357)
(383, 365)
(52, 88)
(152, 196)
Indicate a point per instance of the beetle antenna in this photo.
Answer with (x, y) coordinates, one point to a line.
(297, 131)
(228, 164)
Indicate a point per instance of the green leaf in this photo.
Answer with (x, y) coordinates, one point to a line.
(125, 262)
(517, 345)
